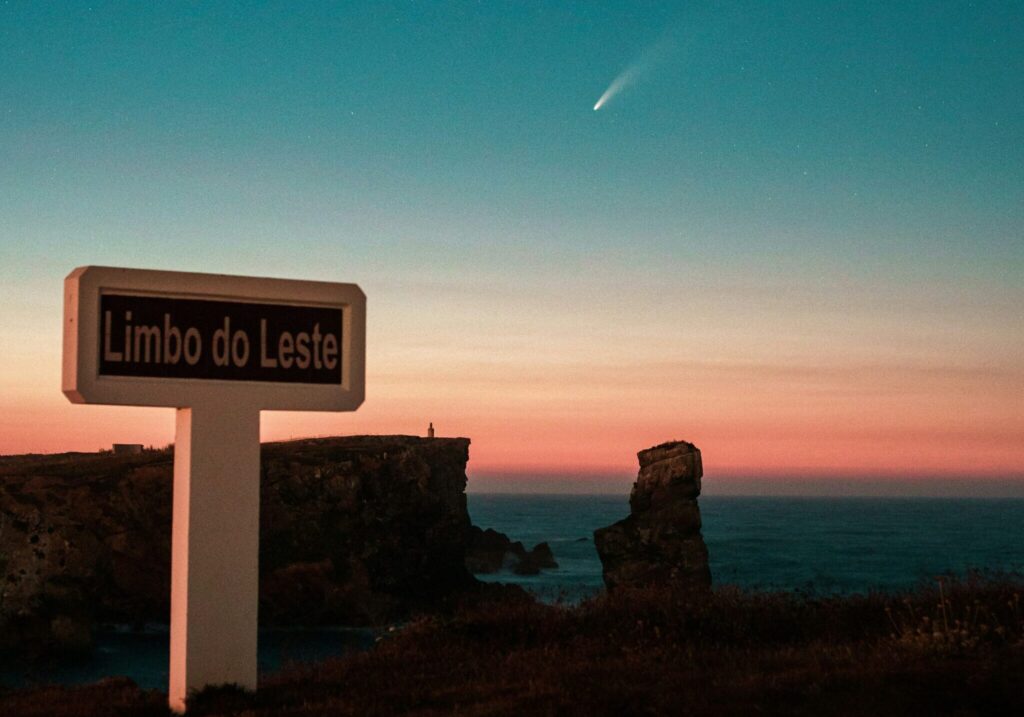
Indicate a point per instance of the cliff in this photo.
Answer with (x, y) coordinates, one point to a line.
(353, 530)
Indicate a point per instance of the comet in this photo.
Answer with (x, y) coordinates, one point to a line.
(625, 78)
(636, 70)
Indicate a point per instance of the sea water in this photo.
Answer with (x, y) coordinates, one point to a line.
(144, 655)
(821, 545)
(818, 545)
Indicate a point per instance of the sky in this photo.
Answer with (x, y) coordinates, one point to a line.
(793, 234)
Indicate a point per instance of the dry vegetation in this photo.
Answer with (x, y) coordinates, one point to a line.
(956, 647)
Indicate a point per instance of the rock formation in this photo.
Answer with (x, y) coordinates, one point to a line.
(354, 530)
(660, 541)
(488, 551)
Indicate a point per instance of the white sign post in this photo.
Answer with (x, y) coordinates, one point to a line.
(219, 349)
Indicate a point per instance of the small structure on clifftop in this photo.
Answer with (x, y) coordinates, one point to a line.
(659, 543)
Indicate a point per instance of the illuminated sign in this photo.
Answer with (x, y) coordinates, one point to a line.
(219, 349)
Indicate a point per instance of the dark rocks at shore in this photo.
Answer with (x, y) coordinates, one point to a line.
(659, 543)
(356, 530)
(489, 551)
(532, 562)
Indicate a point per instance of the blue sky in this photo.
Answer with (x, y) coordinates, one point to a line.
(770, 128)
(790, 184)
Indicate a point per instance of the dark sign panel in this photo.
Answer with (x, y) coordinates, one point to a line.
(163, 337)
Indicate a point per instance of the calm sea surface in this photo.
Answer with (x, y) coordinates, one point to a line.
(826, 545)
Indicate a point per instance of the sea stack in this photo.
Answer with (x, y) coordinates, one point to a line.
(659, 543)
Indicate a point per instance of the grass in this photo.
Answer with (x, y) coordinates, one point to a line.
(954, 647)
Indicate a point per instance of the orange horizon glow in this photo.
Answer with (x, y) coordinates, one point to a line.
(795, 387)
(577, 421)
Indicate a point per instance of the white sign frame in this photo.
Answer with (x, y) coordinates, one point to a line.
(82, 382)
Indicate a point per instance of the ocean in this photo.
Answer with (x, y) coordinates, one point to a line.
(817, 545)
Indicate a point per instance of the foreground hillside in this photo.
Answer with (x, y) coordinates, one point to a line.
(949, 649)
